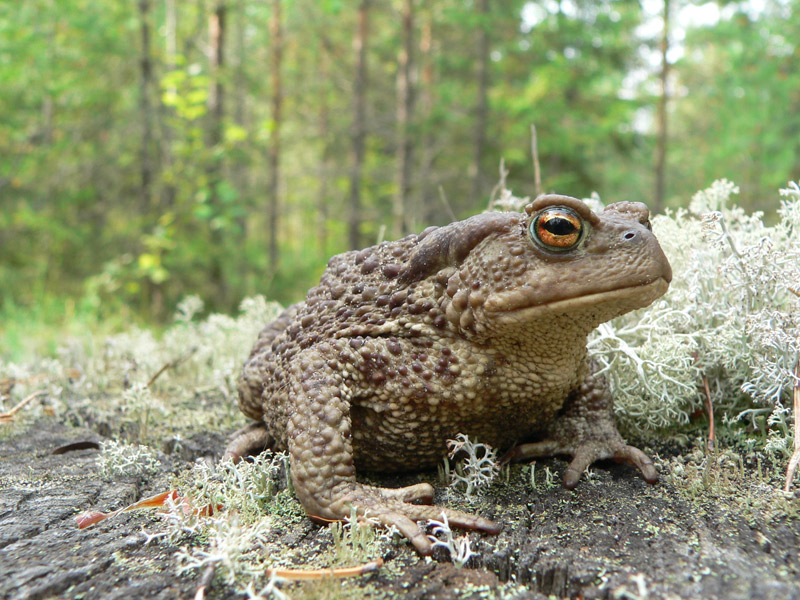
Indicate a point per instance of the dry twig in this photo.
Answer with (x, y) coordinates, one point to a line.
(793, 462)
(205, 581)
(171, 365)
(712, 438)
(296, 574)
(8, 417)
(795, 459)
(446, 204)
(537, 173)
(501, 184)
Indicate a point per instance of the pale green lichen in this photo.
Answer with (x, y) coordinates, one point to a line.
(231, 509)
(476, 468)
(356, 540)
(120, 459)
(730, 319)
(459, 549)
(183, 381)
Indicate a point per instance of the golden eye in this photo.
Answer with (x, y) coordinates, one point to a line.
(557, 228)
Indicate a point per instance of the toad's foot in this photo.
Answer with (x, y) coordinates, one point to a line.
(585, 429)
(584, 453)
(391, 507)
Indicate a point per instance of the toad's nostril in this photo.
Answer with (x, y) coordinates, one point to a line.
(629, 235)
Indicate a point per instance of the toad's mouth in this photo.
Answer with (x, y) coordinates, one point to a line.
(513, 305)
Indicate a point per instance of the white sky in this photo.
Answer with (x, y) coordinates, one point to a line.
(684, 17)
(688, 15)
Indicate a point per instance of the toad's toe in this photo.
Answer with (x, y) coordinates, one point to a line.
(390, 507)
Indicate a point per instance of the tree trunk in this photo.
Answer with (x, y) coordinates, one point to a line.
(168, 136)
(240, 81)
(276, 34)
(482, 104)
(402, 221)
(47, 119)
(661, 143)
(240, 171)
(216, 111)
(145, 107)
(425, 212)
(359, 124)
(170, 32)
(216, 58)
(325, 150)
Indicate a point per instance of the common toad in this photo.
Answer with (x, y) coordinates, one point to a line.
(477, 327)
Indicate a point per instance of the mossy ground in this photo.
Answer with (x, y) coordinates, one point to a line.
(716, 526)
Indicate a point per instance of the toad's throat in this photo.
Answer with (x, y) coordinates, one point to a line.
(628, 298)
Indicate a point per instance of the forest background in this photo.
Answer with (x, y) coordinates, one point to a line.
(154, 149)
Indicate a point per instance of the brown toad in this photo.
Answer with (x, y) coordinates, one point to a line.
(478, 327)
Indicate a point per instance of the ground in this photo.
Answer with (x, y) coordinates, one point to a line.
(710, 529)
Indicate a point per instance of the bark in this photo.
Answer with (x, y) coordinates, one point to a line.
(47, 119)
(425, 212)
(48, 103)
(359, 124)
(401, 223)
(168, 136)
(240, 81)
(170, 32)
(601, 528)
(537, 171)
(216, 58)
(661, 119)
(325, 152)
(482, 104)
(240, 172)
(216, 111)
(145, 106)
(276, 35)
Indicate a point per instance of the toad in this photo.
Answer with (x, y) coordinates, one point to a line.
(478, 327)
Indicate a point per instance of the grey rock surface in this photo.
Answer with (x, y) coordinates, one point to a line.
(614, 537)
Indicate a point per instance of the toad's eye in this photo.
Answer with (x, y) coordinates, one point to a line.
(557, 228)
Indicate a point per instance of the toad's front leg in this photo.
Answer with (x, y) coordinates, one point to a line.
(321, 454)
(586, 430)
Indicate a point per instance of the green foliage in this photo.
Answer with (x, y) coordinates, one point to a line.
(29, 331)
(567, 68)
(741, 77)
(77, 221)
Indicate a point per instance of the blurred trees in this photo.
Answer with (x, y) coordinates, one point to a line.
(157, 148)
(737, 110)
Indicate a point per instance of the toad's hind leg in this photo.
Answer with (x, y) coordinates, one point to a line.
(586, 430)
(321, 454)
(251, 439)
(254, 438)
(257, 368)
